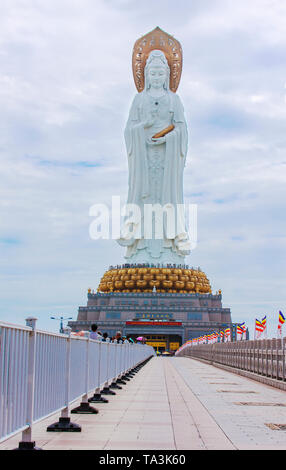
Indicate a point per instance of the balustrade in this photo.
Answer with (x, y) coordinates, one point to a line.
(42, 373)
(262, 357)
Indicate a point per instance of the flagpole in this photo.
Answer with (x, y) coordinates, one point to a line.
(283, 357)
(264, 323)
(279, 334)
(265, 331)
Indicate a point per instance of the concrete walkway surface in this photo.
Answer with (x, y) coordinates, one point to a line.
(176, 404)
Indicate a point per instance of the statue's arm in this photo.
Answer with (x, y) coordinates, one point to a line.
(133, 121)
(181, 129)
(181, 125)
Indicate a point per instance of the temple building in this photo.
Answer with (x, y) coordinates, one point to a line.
(168, 306)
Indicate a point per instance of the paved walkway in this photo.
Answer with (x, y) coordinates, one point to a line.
(177, 404)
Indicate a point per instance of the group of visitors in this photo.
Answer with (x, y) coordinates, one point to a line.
(118, 338)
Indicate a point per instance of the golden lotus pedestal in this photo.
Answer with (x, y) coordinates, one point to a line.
(165, 280)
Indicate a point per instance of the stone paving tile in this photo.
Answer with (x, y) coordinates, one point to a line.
(245, 426)
(143, 445)
(182, 398)
(171, 404)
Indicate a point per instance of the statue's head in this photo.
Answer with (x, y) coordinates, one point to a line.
(157, 71)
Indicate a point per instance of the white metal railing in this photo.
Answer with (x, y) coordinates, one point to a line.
(42, 373)
(265, 357)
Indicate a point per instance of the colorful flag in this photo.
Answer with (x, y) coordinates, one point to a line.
(214, 337)
(239, 332)
(243, 327)
(281, 321)
(263, 322)
(259, 328)
(227, 334)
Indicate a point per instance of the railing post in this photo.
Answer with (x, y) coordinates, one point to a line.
(267, 354)
(84, 407)
(114, 383)
(272, 366)
(120, 375)
(129, 371)
(27, 443)
(258, 357)
(125, 362)
(97, 398)
(266, 357)
(243, 352)
(64, 424)
(106, 388)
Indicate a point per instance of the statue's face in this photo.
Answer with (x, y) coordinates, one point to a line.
(157, 77)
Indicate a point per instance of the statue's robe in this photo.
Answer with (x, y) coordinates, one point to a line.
(172, 185)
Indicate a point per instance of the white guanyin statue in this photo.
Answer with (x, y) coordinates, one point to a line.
(156, 167)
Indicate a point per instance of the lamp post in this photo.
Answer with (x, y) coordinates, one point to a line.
(61, 320)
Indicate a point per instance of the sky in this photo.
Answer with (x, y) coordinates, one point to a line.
(66, 87)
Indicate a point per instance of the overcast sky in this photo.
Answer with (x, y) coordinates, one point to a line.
(66, 86)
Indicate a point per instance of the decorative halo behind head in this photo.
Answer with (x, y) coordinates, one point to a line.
(160, 41)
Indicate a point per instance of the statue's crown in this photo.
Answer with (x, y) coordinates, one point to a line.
(157, 59)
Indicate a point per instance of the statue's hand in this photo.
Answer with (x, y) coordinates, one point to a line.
(148, 123)
(150, 120)
(159, 141)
